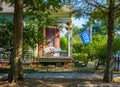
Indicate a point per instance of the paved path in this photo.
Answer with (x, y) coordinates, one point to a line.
(71, 75)
(62, 75)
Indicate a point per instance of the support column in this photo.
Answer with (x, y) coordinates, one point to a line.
(36, 51)
(91, 25)
(69, 41)
(44, 34)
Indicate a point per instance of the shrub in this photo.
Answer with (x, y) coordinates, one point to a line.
(80, 57)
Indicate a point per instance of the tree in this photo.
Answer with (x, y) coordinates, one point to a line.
(36, 9)
(77, 30)
(31, 36)
(116, 44)
(16, 70)
(77, 45)
(6, 33)
(110, 9)
(99, 45)
(64, 43)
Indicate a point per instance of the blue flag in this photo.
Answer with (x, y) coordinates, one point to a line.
(85, 36)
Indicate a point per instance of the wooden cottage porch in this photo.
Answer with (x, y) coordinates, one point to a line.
(52, 52)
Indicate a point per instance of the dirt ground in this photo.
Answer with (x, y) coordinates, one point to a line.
(64, 82)
(50, 82)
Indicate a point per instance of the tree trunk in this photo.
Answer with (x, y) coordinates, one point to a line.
(98, 63)
(108, 74)
(16, 71)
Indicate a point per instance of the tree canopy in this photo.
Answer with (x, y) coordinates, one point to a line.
(39, 11)
(110, 9)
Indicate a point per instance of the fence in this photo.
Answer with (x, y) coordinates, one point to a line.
(32, 64)
(4, 58)
(117, 62)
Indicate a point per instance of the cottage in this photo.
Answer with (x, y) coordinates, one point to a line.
(49, 51)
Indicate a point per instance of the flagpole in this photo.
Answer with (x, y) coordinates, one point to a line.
(91, 25)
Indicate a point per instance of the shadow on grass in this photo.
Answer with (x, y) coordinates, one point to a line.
(60, 82)
(6, 70)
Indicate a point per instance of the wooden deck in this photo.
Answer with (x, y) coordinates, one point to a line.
(55, 59)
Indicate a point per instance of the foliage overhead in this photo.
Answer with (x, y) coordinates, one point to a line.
(6, 33)
(39, 10)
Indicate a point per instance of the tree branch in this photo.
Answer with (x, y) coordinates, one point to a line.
(97, 5)
(30, 3)
(117, 14)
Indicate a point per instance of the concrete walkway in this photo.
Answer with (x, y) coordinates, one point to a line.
(70, 76)
(62, 75)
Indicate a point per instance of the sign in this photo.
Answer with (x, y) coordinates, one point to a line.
(85, 36)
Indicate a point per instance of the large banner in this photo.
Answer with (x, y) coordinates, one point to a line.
(85, 36)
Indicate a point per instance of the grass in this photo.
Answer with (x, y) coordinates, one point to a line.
(90, 68)
(52, 68)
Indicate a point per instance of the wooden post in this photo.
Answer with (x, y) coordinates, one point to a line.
(69, 39)
(44, 33)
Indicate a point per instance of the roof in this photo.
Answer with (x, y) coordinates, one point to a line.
(6, 8)
(64, 12)
(64, 15)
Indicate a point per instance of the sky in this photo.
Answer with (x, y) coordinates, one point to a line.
(79, 22)
(76, 22)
